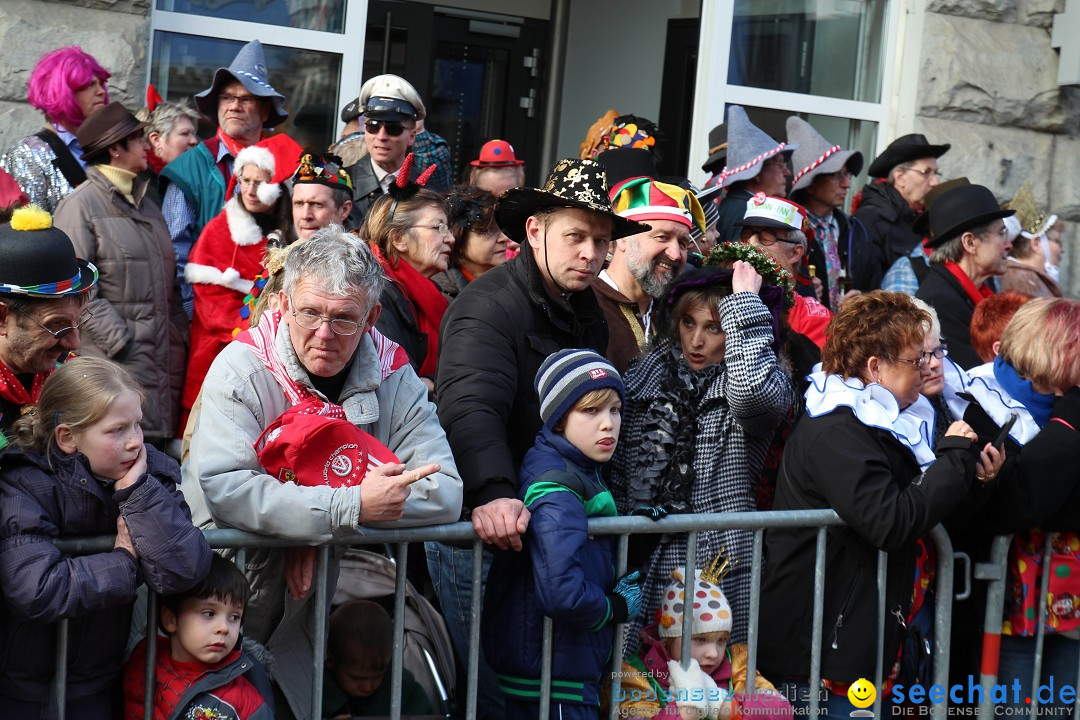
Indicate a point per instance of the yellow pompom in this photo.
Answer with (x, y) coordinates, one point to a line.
(31, 217)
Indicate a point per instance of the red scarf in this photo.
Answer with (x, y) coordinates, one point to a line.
(13, 391)
(977, 295)
(427, 302)
(231, 144)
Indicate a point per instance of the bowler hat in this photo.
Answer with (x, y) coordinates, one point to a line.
(921, 223)
(249, 69)
(496, 153)
(572, 183)
(961, 209)
(38, 260)
(816, 155)
(905, 149)
(717, 150)
(104, 127)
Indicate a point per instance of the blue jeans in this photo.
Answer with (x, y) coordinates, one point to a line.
(829, 705)
(450, 569)
(1061, 657)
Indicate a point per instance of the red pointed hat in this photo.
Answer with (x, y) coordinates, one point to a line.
(496, 153)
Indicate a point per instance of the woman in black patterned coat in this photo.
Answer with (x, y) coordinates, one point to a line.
(699, 416)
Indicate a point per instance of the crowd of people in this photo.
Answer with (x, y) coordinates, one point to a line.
(239, 332)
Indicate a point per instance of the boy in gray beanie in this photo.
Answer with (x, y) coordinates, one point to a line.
(563, 572)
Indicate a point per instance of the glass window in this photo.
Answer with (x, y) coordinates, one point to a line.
(858, 135)
(325, 15)
(831, 48)
(183, 65)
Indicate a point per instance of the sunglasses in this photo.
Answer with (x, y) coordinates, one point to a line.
(393, 128)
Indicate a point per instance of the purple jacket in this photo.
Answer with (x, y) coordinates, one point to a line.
(39, 504)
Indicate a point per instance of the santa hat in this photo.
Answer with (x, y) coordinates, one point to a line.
(278, 155)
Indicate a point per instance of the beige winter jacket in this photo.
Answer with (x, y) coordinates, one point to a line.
(138, 320)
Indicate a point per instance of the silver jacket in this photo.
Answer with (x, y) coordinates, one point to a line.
(30, 163)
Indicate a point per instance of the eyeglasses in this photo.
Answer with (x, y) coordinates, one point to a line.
(313, 321)
(844, 174)
(442, 228)
(765, 238)
(392, 127)
(918, 363)
(939, 352)
(777, 162)
(925, 172)
(245, 100)
(63, 332)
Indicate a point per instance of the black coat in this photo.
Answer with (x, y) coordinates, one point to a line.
(493, 340)
(942, 291)
(366, 190)
(732, 209)
(876, 486)
(887, 218)
(397, 321)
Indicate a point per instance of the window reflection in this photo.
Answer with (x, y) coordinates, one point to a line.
(325, 15)
(183, 65)
(816, 47)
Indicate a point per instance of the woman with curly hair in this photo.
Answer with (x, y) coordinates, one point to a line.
(66, 85)
(864, 450)
(700, 413)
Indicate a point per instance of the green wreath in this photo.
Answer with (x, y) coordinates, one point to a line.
(771, 272)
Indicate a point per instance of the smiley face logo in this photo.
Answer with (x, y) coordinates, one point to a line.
(862, 693)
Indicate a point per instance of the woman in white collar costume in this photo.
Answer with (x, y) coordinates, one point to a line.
(864, 450)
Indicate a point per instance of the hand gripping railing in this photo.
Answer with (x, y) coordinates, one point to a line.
(758, 522)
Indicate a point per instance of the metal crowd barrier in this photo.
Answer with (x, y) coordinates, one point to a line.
(463, 532)
(996, 571)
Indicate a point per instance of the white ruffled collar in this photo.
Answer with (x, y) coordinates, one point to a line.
(875, 406)
(981, 384)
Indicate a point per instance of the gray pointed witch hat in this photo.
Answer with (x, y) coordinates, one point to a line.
(748, 147)
(816, 155)
(249, 69)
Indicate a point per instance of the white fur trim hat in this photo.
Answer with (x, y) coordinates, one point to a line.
(712, 613)
(277, 155)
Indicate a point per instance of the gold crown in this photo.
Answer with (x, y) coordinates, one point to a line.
(720, 567)
(1031, 217)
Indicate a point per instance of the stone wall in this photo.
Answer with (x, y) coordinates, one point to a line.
(115, 32)
(988, 85)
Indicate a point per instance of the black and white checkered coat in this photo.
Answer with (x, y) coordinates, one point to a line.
(735, 425)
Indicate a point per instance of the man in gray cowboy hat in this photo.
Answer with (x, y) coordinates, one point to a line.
(493, 340)
(823, 173)
(391, 108)
(905, 171)
(755, 164)
(43, 296)
(244, 103)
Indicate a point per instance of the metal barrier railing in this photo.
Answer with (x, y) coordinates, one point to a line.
(462, 532)
(997, 572)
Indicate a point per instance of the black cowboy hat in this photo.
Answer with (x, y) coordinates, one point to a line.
(106, 126)
(38, 260)
(572, 183)
(905, 149)
(961, 209)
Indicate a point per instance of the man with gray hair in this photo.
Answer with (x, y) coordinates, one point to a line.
(319, 348)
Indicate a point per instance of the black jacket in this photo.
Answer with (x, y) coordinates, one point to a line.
(732, 209)
(875, 485)
(887, 218)
(954, 307)
(397, 321)
(493, 340)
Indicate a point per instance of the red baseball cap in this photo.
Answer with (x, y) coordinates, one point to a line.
(495, 153)
(312, 450)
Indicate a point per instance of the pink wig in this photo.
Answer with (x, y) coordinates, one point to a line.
(57, 77)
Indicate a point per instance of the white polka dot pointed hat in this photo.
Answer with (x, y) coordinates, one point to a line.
(712, 613)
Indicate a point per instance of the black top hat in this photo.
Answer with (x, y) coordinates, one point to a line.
(38, 260)
(717, 150)
(625, 163)
(572, 183)
(106, 126)
(962, 208)
(905, 149)
(921, 224)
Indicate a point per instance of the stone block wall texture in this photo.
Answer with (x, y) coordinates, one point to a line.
(116, 32)
(988, 85)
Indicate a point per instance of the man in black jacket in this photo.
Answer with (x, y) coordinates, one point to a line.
(906, 171)
(493, 340)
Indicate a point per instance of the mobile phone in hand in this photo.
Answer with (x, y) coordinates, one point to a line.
(999, 441)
